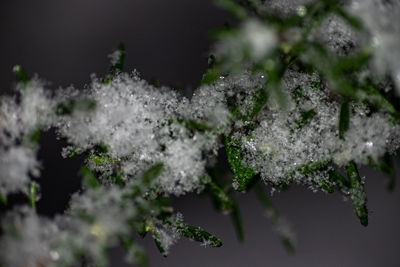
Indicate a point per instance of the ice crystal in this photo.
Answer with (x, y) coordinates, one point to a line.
(285, 7)
(136, 122)
(115, 57)
(283, 144)
(337, 35)
(24, 228)
(16, 166)
(253, 41)
(20, 122)
(288, 104)
(382, 17)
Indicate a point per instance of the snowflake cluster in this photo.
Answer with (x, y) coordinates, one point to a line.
(128, 128)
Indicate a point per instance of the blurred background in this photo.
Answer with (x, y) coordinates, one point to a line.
(66, 41)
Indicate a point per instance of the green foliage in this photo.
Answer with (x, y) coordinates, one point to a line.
(244, 176)
(223, 202)
(344, 118)
(88, 178)
(357, 193)
(69, 106)
(159, 245)
(303, 54)
(20, 74)
(221, 199)
(119, 63)
(237, 223)
(258, 102)
(136, 253)
(195, 126)
(198, 234)
(209, 77)
(33, 194)
(275, 217)
(305, 118)
(387, 167)
(35, 136)
(3, 200)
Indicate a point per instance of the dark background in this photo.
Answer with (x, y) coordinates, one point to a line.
(65, 41)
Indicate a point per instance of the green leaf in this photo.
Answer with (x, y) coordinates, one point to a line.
(244, 176)
(3, 200)
(350, 19)
(101, 148)
(69, 106)
(267, 203)
(209, 77)
(222, 200)
(305, 118)
(20, 75)
(311, 167)
(136, 254)
(233, 8)
(288, 245)
(118, 66)
(198, 234)
(344, 118)
(141, 227)
(35, 136)
(101, 160)
(157, 241)
(273, 212)
(33, 194)
(376, 98)
(258, 102)
(141, 185)
(194, 125)
(297, 94)
(339, 180)
(274, 70)
(326, 187)
(89, 179)
(237, 223)
(152, 173)
(386, 166)
(357, 193)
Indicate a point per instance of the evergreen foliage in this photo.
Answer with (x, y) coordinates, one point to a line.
(301, 91)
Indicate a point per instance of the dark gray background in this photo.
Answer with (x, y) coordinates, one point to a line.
(65, 41)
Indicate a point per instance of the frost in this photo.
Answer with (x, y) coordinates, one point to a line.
(115, 57)
(136, 122)
(382, 18)
(253, 41)
(285, 7)
(16, 165)
(285, 108)
(279, 150)
(337, 35)
(368, 137)
(27, 240)
(184, 166)
(259, 38)
(20, 120)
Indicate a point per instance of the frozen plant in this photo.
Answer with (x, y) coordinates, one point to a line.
(300, 92)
